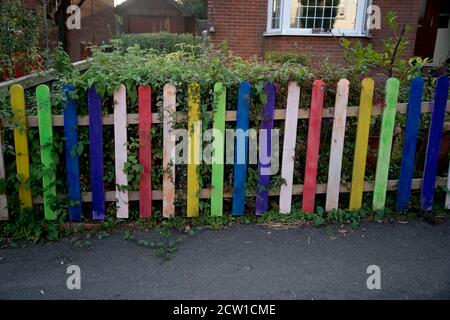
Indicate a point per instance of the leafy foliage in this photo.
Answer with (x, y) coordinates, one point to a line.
(199, 8)
(287, 56)
(390, 61)
(19, 37)
(161, 42)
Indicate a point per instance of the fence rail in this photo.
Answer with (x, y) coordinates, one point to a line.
(230, 116)
(35, 79)
(145, 119)
(110, 196)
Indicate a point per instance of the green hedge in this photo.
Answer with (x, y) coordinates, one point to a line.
(162, 42)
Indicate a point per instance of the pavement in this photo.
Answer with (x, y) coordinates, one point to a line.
(241, 262)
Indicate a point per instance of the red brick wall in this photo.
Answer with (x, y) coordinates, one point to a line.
(408, 12)
(97, 26)
(242, 24)
(142, 16)
(148, 24)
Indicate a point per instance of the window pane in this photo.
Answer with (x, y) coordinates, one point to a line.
(345, 16)
(326, 24)
(276, 14)
(324, 14)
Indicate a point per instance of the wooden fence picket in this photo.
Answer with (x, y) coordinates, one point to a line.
(337, 145)
(19, 119)
(71, 153)
(96, 154)
(265, 151)
(385, 147)
(217, 174)
(241, 149)
(121, 151)
(145, 150)
(169, 106)
(434, 143)
(194, 127)
(46, 142)
(313, 145)
(409, 143)
(3, 199)
(362, 140)
(289, 143)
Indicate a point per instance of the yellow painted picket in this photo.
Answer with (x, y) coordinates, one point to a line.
(194, 128)
(362, 140)
(19, 120)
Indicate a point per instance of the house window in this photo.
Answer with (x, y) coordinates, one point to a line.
(317, 17)
(275, 14)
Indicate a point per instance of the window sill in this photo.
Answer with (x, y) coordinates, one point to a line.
(308, 34)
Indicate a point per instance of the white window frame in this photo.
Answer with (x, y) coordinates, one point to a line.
(285, 23)
(269, 17)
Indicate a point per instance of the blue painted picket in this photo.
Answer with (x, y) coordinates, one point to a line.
(72, 161)
(409, 143)
(265, 151)
(241, 153)
(434, 142)
(96, 150)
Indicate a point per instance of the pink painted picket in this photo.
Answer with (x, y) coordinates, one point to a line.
(290, 140)
(121, 152)
(169, 107)
(337, 145)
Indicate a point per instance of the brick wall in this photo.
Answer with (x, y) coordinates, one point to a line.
(97, 26)
(242, 24)
(148, 24)
(142, 16)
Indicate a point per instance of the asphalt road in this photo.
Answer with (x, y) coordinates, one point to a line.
(241, 262)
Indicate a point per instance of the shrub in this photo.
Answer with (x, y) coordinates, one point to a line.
(199, 8)
(19, 37)
(162, 42)
(287, 56)
(388, 61)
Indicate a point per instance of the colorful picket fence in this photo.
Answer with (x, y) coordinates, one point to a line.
(145, 119)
